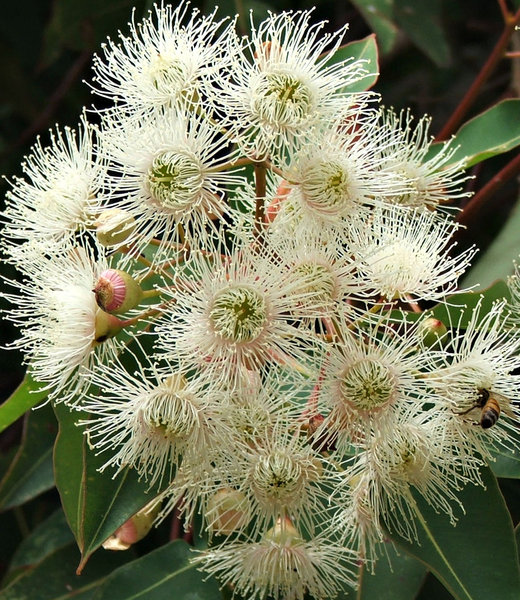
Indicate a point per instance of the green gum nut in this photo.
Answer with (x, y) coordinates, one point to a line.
(433, 332)
(117, 292)
(114, 226)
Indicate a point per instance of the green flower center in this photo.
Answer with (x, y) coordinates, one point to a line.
(367, 385)
(238, 314)
(175, 181)
(316, 282)
(167, 73)
(283, 100)
(326, 188)
(277, 478)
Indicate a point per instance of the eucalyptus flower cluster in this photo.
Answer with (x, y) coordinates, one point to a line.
(226, 269)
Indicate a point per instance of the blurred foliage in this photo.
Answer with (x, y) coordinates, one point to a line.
(429, 53)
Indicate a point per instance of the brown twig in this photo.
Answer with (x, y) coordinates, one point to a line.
(488, 192)
(494, 58)
(504, 10)
(260, 191)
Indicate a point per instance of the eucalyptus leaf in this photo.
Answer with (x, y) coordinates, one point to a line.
(30, 472)
(506, 464)
(397, 576)
(497, 261)
(366, 50)
(507, 460)
(46, 538)
(54, 578)
(493, 132)
(379, 15)
(477, 559)
(163, 574)
(421, 21)
(95, 503)
(27, 395)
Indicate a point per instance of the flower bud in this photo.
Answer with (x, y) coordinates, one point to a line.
(132, 530)
(322, 440)
(273, 208)
(116, 291)
(284, 533)
(433, 332)
(106, 326)
(227, 511)
(114, 226)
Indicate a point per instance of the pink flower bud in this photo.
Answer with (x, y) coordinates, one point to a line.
(116, 291)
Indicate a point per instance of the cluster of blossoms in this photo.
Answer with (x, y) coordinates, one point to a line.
(224, 273)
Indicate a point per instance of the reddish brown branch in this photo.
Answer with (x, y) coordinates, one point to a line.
(481, 199)
(494, 58)
(260, 191)
(504, 10)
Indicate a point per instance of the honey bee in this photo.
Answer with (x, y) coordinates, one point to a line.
(490, 408)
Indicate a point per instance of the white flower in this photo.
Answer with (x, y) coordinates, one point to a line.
(166, 59)
(405, 253)
(233, 316)
(342, 170)
(479, 363)
(321, 268)
(287, 87)
(371, 375)
(150, 421)
(62, 326)
(282, 565)
(279, 473)
(59, 195)
(436, 180)
(168, 168)
(383, 479)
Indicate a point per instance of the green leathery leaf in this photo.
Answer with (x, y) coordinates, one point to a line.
(477, 559)
(45, 539)
(163, 574)
(30, 472)
(379, 16)
(421, 21)
(506, 464)
(27, 395)
(54, 578)
(366, 50)
(507, 460)
(497, 261)
(492, 132)
(397, 576)
(95, 503)
(459, 308)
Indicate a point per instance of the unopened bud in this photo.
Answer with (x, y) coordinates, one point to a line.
(228, 511)
(114, 226)
(273, 208)
(133, 530)
(321, 438)
(433, 332)
(268, 51)
(107, 326)
(284, 533)
(116, 291)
